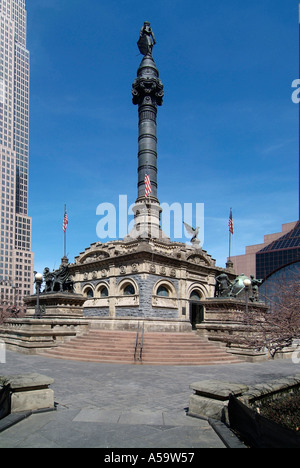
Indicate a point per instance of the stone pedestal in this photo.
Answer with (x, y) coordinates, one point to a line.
(224, 323)
(59, 318)
(55, 305)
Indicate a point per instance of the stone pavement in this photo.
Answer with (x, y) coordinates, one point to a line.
(124, 406)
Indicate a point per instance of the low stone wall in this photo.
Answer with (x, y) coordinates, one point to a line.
(211, 397)
(31, 335)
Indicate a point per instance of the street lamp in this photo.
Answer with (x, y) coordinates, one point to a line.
(38, 279)
(247, 284)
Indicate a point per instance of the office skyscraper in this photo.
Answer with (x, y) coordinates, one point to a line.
(16, 258)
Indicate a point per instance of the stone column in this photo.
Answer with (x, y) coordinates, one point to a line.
(112, 299)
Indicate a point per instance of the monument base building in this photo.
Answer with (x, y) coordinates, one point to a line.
(160, 282)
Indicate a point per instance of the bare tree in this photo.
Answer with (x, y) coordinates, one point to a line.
(278, 326)
(9, 312)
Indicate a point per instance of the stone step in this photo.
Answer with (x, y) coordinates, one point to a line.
(158, 349)
(121, 359)
(151, 343)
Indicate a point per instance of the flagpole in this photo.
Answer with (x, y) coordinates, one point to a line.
(299, 120)
(65, 223)
(65, 235)
(229, 235)
(230, 224)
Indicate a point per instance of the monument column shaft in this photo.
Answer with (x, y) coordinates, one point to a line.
(147, 150)
(147, 94)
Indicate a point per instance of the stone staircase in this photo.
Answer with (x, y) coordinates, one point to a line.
(158, 349)
(182, 349)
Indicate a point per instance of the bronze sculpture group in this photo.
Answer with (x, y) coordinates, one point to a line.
(57, 281)
(226, 288)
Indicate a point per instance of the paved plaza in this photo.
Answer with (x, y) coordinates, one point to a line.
(124, 406)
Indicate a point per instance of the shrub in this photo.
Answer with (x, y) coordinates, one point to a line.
(284, 411)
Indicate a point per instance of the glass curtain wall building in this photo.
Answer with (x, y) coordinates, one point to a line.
(16, 258)
(280, 253)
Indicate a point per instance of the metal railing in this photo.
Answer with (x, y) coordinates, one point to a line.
(142, 344)
(136, 341)
(139, 344)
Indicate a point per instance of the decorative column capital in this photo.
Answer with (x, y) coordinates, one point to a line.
(147, 90)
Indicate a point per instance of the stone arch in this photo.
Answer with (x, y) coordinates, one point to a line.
(197, 288)
(93, 256)
(162, 285)
(199, 259)
(88, 291)
(102, 289)
(196, 293)
(126, 285)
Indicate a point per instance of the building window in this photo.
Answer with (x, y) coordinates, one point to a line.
(163, 291)
(89, 293)
(2, 92)
(195, 296)
(129, 290)
(104, 292)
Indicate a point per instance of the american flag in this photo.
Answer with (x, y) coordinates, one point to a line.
(147, 185)
(65, 221)
(230, 223)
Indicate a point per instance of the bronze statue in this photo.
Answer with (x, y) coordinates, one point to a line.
(57, 281)
(48, 279)
(255, 283)
(146, 40)
(223, 286)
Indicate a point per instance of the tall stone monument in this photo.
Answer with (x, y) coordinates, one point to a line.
(144, 277)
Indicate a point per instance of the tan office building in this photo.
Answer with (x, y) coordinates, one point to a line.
(247, 263)
(16, 258)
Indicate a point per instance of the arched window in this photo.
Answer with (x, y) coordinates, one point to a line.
(89, 293)
(104, 292)
(195, 296)
(129, 290)
(163, 291)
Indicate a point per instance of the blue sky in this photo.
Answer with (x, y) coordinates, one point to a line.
(227, 131)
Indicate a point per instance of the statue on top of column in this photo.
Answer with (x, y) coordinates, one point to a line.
(146, 40)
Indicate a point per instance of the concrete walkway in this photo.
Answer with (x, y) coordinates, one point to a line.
(124, 406)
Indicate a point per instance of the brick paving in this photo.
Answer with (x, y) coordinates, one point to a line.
(102, 405)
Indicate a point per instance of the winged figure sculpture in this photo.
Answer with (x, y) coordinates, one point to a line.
(194, 232)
